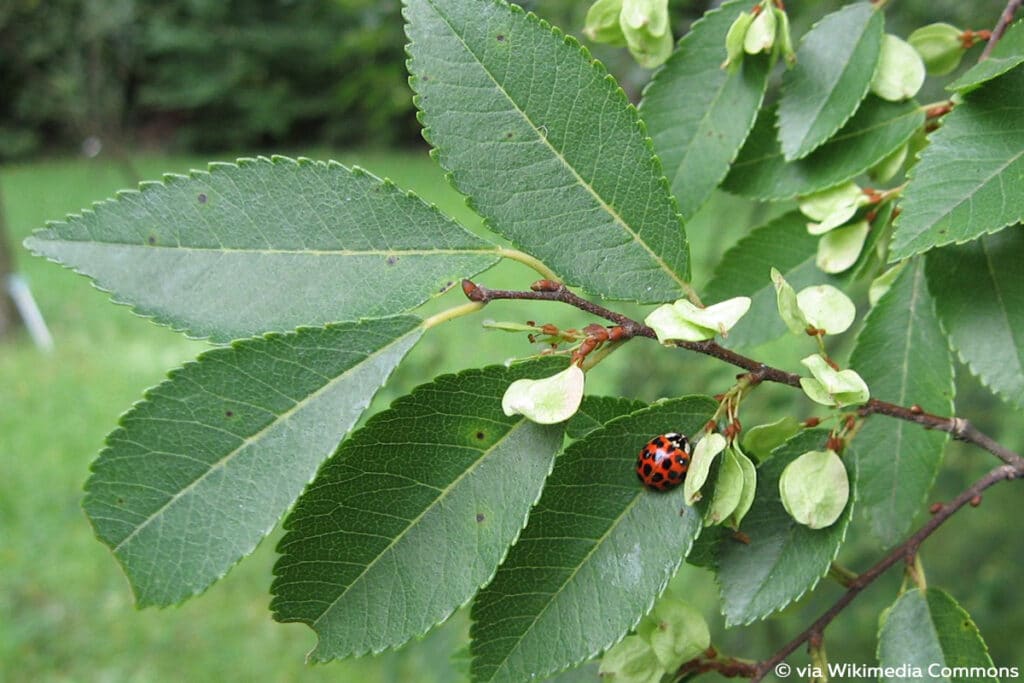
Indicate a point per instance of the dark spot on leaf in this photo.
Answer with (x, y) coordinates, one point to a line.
(508, 135)
(425, 77)
(151, 239)
(120, 501)
(229, 413)
(480, 517)
(202, 197)
(391, 260)
(501, 37)
(480, 435)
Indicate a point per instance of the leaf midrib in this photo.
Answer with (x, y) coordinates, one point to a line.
(441, 497)
(973, 190)
(543, 138)
(503, 663)
(254, 438)
(824, 102)
(487, 249)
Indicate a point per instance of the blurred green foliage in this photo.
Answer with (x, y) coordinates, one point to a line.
(203, 74)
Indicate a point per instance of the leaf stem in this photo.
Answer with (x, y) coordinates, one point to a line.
(451, 314)
(527, 260)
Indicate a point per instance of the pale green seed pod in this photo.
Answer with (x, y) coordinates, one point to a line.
(940, 46)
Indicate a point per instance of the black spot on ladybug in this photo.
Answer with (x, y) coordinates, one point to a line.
(681, 460)
(675, 474)
(391, 260)
(648, 469)
(480, 517)
(666, 463)
(228, 413)
(657, 477)
(202, 197)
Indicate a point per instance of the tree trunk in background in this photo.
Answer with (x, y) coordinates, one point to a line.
(9, 318)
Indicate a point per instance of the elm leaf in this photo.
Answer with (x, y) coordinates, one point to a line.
(928, 630)
(904, 357)
(784, 559)
(593, 556)
(265, 245)
(1008, 54)
(966, 183)
(202, 468)
(877, 130)
(699, 114)
(512, 107)
(834, 65)
(413, 513)
(984, 321)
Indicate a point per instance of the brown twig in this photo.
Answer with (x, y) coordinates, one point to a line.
(904, 551)
(548, 290)
(1004, 21)
(959, 428)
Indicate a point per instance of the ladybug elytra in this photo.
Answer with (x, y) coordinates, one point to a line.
(661, 464)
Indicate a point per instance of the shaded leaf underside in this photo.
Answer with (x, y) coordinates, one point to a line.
(265, 245)
(203, 468)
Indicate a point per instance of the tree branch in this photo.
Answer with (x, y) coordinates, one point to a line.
(548, 290)
(1004, 21)
(959, 428)
(904, 551)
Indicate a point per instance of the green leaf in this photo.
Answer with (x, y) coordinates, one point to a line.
(413, 513)
(265, 245)
(593, 557)
(1007, 54)
(202, 469)
(699, 114)
(985, 321)
(904, 357)
(875, 131)
(596, 410)
(834, 65)
(784, 559)
(745, 269)
(546, 146)
(924, 632)
(967, 183)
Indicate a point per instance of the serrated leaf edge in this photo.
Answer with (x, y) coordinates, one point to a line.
(643, 99)
(398, 402)
(803, 154)
(617, 91)
(661, 588)
(168, 179)
(846, 518)
(147, 398)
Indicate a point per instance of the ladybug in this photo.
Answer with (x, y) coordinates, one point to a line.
(661, 464)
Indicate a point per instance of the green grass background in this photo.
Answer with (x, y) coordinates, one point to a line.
(66, 611)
